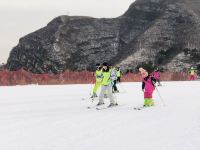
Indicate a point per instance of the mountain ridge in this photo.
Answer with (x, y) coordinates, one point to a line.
(163, 32)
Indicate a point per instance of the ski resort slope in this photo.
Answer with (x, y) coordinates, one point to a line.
(56, 118)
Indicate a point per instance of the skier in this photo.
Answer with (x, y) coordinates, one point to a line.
(114, 79)
(148, 86)
(99, 76)
(156, 75)
(106, 86)
(192, 74)
(118, 74)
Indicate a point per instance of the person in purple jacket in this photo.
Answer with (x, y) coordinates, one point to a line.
(148, 86)
(156, 75)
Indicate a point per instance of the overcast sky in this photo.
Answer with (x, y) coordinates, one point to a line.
(20, 17)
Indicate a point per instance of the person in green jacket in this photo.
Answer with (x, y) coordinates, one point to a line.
(106, 86)
(192, 72)
(99, 76)
(118, 74)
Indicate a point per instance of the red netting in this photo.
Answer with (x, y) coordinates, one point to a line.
(22, 77)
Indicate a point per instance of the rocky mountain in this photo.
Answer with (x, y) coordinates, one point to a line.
(164, 32)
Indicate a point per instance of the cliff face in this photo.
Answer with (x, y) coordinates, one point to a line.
(166, 32)
(167, 38)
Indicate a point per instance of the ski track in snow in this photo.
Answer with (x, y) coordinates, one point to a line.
(56, 118)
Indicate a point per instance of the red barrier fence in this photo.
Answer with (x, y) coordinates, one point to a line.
(22, 77)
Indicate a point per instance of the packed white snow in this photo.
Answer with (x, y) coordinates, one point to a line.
(56, 118)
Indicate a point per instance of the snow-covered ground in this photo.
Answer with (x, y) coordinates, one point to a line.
(56, 118)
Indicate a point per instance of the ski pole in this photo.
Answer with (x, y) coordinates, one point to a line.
(90, 92)
(160, 97)
(91, 86)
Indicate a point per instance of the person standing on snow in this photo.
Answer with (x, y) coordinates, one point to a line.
(114, 79)
(156, 75)
(192, 74)
(118, 74)
(99, 76)
(148, 86)
(106, 86)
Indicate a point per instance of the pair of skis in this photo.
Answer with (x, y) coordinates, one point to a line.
(106, 107)
(101, 107)
(138, 108)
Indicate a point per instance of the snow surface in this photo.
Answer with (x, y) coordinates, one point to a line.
(56, 118)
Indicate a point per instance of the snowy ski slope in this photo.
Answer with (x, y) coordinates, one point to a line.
(56, 118)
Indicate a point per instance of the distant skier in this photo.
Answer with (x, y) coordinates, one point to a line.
(148, 86)
(99, 76)
(156, 75)
(114, 79)
(192, 74)
(118, 74)
(106, 86)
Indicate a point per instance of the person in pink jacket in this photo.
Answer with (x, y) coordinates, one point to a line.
(148, 86)
(156, 75)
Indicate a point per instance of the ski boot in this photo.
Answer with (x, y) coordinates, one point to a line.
(94, 95)
(100, 103)
(112, 105)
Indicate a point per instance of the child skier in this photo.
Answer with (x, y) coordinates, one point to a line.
(99, 76)
(118, 74)
(192, 74)
(114, 79)
(148, 86)
(106, 86)
(156, 75)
